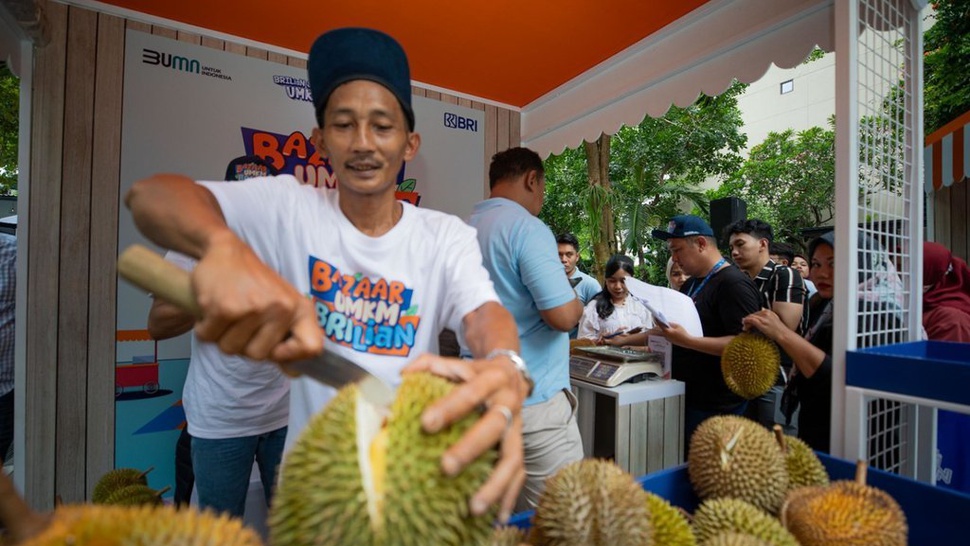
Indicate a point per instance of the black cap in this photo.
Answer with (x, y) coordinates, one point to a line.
(249, 166)
(347, 54)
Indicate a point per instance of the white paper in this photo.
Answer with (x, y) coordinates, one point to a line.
(666, 305)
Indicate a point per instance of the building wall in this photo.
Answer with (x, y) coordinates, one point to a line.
(811, 102)
(73, 212)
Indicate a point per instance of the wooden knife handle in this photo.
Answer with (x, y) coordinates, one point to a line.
(153, 273)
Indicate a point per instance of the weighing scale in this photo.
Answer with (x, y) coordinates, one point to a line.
(611, 366)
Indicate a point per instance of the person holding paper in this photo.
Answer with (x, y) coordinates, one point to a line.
(612, 317)
(723, 296)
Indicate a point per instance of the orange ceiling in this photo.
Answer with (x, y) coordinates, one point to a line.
(507, 51)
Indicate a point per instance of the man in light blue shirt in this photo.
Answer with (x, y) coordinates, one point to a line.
(586, 287)
(517, 251)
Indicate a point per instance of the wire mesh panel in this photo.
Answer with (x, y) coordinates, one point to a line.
(887, 206)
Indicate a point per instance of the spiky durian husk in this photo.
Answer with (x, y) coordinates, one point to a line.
(321, 498)
(731, 456)
(735, 539)
(670, 527)
(508, 536)
(115, 480)
(844, 513)
(95, 525)
(804, 467)
(718, 516)
(592, 502)
(134, 495)
(749, 364)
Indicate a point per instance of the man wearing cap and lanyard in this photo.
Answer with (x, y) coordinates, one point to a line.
(723, 295)
(266, 245)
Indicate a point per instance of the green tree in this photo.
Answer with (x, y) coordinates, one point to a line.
(788, 181)
(9, 129)
(655, 170)
(946, 77)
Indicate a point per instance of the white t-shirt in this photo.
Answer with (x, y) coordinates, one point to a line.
(381, 301)
(630, 314)
(230, 396)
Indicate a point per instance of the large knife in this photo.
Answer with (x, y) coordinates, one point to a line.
(149, 271)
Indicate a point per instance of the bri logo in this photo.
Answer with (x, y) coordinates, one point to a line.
(455, 121)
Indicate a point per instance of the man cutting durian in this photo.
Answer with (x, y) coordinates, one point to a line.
(279, 262)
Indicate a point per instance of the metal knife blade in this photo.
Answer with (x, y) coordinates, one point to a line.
(337, 371)
(150, 271)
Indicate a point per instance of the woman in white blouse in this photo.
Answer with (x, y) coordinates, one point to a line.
(613, 317)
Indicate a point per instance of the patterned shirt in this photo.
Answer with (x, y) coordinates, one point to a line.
(8, 300)
(781, 284)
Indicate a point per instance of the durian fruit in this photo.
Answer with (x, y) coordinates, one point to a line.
(369, 475)
(117, 479)
(670, 527)
(136, 495)
(847, 513)
(98, 525)
(731, 456)
(592, 502)
(508, 536)
(750, 365)
(804, 467)
(718, 516)
(735, 539)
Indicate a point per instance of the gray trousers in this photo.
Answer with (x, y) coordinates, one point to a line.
(551, 439)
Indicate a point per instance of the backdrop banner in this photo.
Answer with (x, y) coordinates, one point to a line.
(190, 109)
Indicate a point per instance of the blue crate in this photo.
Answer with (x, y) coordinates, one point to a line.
(938, 370)
(935, 515)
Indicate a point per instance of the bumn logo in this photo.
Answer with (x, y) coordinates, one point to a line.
(455, 121)
(175, 62)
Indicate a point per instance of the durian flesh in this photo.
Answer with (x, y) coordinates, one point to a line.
(368, 475)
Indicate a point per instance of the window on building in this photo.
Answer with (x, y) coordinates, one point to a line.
(787, 86)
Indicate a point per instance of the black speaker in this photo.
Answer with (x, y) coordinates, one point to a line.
(725, 212)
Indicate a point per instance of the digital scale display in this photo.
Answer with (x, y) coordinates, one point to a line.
(610, 374)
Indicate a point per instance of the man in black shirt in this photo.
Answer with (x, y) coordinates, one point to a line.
(782, 291)
(723, 295)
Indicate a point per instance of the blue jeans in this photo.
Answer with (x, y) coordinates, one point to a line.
(693, 418)
(223, 468)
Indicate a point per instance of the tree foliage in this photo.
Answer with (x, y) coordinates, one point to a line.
(655, 171)
(9, 135)
(788, 181)
(946, 77)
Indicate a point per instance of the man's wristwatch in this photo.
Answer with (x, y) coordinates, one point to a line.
(517, 362)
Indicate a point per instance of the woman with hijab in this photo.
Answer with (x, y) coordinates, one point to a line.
(811, 381)
(613, 317)
(946, 317)
(946, 294)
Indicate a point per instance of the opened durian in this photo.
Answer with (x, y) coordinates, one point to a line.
(845, 513)
(117, 479)
(592, 502)
(367, 475)
(731, 456)
(719, 516)
(804, 467)
(670, 526)
(750, 365)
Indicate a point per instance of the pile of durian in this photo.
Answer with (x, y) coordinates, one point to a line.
(746, 477)
(369, 475)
